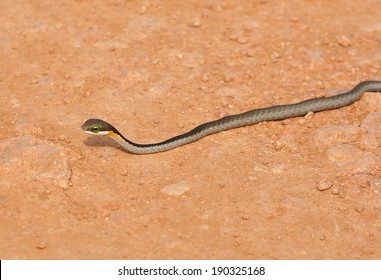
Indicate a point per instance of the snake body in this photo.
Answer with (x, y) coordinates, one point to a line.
(273, 113)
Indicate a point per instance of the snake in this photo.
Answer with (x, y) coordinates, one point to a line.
(278, 112)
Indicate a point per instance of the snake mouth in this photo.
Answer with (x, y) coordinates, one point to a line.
(100, 133)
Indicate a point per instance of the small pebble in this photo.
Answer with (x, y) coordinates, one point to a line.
(197, 22)
(250, 53)
(221, 185)
(309, 116)
(175, 189)
(344, 41)
(359, 208)
(204, 78)
(279, 145)
(324, 185)
(41, 246)
(275, 55)
(242, 40)
(376, 183)
(341, 192)
(62, 138)
(335, 191)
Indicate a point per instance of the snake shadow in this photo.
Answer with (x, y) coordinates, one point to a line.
(102, 142)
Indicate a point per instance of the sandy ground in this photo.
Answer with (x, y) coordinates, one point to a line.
(303, 188)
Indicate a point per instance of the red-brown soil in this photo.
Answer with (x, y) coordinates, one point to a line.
(303, 188)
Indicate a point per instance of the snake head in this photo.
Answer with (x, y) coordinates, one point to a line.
(98, 127)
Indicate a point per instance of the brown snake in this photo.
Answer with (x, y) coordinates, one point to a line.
(278, 112)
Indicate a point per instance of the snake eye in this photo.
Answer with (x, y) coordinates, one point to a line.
(95, 128)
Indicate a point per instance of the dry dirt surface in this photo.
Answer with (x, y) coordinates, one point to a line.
(302, 188)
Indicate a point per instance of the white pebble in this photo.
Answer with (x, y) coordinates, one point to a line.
(175, 189)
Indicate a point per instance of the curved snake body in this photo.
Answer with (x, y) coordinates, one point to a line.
(273, 113)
